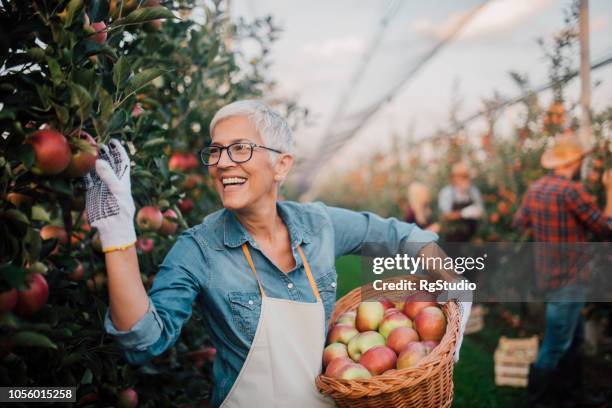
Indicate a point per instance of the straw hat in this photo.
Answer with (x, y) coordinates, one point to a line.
(565, 150)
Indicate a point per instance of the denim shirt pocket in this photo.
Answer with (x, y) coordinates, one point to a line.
(327, 289)
(246, 308)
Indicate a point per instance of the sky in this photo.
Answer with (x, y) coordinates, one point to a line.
(323, 44)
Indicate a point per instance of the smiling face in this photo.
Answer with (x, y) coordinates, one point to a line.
(243, 187)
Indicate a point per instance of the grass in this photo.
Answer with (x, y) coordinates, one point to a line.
(474, 373)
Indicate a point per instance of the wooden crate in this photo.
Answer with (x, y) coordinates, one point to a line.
(512, 359)
(475, 322)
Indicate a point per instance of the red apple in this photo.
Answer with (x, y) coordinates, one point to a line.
(51, 150)
(8, 300)
(145, 245)
(363, 342)
(78, 273)
(128, 398)
(369, 315)
(354, 371)
(84, 155)
(411, 355)
(341, 333)
(390, 311)
(393, 321)
(54, 232)
(149, 218)
(17, 199)
(416, 302)
(334, 351)
(336, 365)
(387, 304)
(400, 337)
(347, 318)
(400, 305)
(430, 345)
(430, 323)
(183, 162)
(192, 181)
(169, 223)
(137, 110)
(31, 300)
(186, 205)
(101, 34)
(378, 359)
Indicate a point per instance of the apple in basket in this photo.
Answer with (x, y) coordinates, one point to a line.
(415, 303)
(333, 351)
(334, 367)
(430, 323)
(390, 311)
(363, 342)
(378, 359)
(341, 333)
(354, 371)
(400, 337)
(347, 318)
(369, 315)
(430, 345)
(393, 321)
(387, 304)
(411, 355)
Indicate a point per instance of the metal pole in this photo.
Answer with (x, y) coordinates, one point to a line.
(585, 75)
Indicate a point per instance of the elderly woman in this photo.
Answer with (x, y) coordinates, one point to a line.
(262, 271)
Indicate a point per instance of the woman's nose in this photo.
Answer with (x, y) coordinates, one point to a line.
(224, 159)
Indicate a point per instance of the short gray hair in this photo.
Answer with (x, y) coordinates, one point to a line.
(273, 128)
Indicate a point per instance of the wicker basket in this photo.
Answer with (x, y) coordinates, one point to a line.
(430, 384)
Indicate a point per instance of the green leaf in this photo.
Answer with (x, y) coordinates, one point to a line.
(62, 113)
(71, 359)
(25, 154)
(14, 275)
(17, 216)
(97, 10)
(118, 120)
(81, 99)
(56, 71)
(106, 105)
(32, 339)
(143, 15)
(87, 377)
(143, 78)
(73, 8)
(121, 71)
(40, 214)
(155, 142)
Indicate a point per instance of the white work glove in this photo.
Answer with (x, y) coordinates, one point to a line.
(109, 203)
(471, 212)
(465, 307)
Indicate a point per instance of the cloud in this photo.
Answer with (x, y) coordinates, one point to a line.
(333, 47)
(496, 16)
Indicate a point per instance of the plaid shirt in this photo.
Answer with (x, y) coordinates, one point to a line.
(559, 211)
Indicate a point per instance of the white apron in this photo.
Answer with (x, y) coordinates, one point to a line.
(286, 353)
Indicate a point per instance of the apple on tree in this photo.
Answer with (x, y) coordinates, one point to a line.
(149, 218)
(31, 300)
(51, 150)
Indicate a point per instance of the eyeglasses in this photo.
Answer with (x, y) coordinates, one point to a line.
(238, 152)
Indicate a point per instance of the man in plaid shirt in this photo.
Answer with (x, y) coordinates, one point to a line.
(558, 211)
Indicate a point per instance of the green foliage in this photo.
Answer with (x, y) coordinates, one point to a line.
(154, 85)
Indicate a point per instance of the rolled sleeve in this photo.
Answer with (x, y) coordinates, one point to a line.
(171, 296)
(143, 334)
(355, 229)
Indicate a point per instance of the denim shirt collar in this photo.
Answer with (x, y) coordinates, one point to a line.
(234, 233)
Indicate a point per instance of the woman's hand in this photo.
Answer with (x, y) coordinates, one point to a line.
(110, 207)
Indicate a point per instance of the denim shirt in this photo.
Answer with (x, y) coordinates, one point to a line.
(207, 265)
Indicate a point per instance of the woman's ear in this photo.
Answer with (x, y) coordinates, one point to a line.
(283, 166)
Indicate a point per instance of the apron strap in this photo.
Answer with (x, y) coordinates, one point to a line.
(311, 280)
(313, 285)
(247, 253)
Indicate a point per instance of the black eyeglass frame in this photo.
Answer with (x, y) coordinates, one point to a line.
(229, 154)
